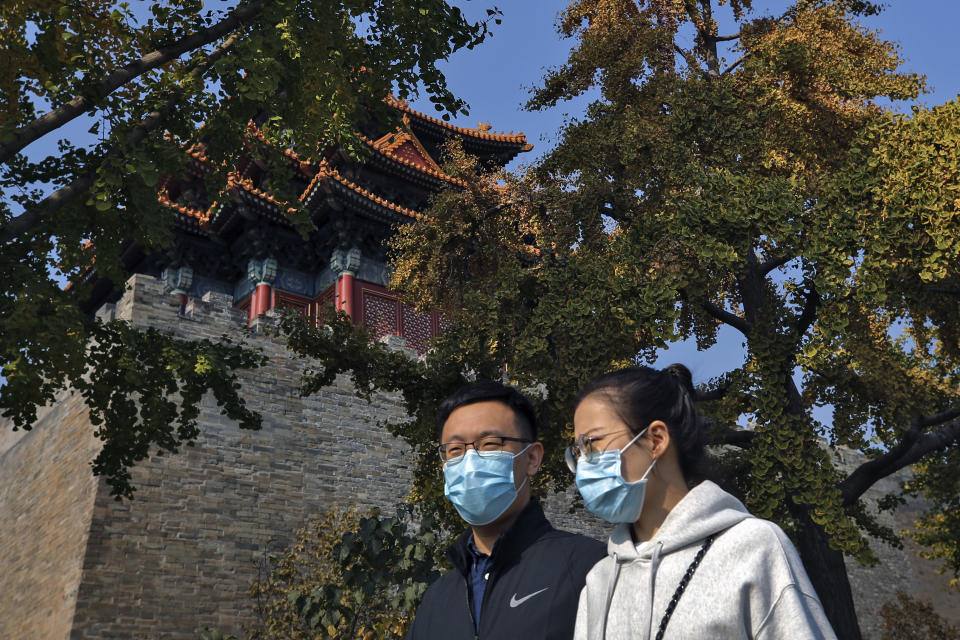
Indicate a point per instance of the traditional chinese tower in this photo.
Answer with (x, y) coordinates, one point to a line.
(245, 247)
(181, 555)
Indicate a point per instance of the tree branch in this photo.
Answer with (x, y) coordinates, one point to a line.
(809, 313)
(713, 394)
(739, 61)
(726, 317)
(736, 63)
(691, 61)
(732, 36)
(937, 418)
(59, 198)
(911, 448)
(742, 438)
(81, 104)
(773, 263)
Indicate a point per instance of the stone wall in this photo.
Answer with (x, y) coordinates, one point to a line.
(46, 502)
(182, 553)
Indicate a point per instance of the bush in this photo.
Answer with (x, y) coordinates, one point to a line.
(910, 619)
(347, 577)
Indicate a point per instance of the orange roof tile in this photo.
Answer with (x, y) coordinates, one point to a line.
(481, 133)
(387, 150)
(327, 172)
(201, 217)
(306, 166)
(246, 184)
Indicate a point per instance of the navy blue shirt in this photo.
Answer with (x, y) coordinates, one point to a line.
(480, 564)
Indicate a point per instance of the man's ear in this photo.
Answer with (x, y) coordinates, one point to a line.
(658, 435)
(534, 458)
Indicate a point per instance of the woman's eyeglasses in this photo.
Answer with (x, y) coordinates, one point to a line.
(584, 446)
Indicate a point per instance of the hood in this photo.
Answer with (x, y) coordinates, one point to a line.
(705, 510)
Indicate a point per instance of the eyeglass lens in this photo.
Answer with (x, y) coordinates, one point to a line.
(490, 444)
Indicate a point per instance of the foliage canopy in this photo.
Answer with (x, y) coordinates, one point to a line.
(150, 81)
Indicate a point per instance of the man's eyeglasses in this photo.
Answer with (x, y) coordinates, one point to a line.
(583, 446)
(488, 445)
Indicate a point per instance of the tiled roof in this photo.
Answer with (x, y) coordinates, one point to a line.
(201, 218)
(385, 146)
(327, 173)
(387, 150)
(306, 166)
(234, 182)
(478, 133)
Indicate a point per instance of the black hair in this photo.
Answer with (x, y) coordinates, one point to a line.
(526, 417)
(641, 395)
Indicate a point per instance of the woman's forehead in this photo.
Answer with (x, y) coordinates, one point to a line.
(595, 412)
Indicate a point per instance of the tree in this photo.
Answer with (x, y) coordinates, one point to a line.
(769, 194)
(151, 83)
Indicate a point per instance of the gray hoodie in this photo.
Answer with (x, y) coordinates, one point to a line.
(750, 583)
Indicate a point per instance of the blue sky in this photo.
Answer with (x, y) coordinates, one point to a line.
(495, 79)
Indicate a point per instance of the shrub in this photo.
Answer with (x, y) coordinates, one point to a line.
(910, 619)
(347, 577)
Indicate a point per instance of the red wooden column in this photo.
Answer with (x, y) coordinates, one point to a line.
(262, 273)
(346, 264)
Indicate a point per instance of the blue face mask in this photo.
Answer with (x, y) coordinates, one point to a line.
(481, 487)
(605, 492)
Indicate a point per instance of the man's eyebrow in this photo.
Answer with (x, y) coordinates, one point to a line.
(488, 432)
(455, 437)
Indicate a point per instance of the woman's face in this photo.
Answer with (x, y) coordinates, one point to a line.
(597, 422)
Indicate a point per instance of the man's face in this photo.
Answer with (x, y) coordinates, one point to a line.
(472, 422)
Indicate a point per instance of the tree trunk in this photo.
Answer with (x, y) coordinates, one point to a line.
(829, 577)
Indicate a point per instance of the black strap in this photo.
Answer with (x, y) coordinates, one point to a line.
(683, 585)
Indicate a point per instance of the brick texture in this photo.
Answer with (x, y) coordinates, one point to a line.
(46, 502)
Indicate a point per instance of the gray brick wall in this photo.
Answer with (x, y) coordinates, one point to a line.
(46, 503)
(182, 554)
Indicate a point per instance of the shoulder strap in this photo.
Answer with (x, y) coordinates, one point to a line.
(683, 585)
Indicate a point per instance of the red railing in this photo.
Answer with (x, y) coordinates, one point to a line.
(377, 308)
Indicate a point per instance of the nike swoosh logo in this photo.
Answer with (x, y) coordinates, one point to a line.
(516, 603)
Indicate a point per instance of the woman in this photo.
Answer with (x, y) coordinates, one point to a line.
(682, 562)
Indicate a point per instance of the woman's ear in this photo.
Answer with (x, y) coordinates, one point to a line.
(658, 434)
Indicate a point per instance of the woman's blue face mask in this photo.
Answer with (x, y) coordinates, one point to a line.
(604, 490)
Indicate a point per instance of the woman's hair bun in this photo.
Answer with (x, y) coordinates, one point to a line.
(683, 375)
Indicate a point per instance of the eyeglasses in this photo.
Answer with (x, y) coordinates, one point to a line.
(487, 445)
(583, 446)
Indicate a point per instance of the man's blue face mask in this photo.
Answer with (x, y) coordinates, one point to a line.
(481, 487)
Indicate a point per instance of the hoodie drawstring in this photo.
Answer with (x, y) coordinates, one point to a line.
(654, 565)
(611, 586)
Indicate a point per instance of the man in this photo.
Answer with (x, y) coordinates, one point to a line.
(515, 575)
